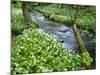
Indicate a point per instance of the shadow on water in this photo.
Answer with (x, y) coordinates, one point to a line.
(63, 33)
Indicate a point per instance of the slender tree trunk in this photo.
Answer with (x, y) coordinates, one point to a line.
(59, 6)
(58, 10)
(78, 38)
(26, 15)
(82, 49)
(77, 33)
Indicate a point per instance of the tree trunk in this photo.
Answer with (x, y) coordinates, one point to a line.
(59, 7)
(26, 15)
(82, 49)
(78, 38)
(85, 56)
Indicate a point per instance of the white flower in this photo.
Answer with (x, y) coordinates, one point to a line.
(21, 47)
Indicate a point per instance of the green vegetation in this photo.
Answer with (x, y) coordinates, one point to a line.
(50, 10)
(87, 23)
(34, 51)
(83, 51)
(86, 20)
(17, 21)
(37, 51)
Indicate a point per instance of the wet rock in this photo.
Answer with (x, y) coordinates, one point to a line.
(63, 29)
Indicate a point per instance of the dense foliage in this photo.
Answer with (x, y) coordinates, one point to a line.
(37, 51)
(86, 18)
(17, 21)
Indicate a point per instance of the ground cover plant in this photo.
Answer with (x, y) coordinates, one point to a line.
(34, 51)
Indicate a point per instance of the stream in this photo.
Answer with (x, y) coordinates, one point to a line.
(63, 33)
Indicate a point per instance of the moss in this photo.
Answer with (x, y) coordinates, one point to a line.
(84, 53)
(86, 58)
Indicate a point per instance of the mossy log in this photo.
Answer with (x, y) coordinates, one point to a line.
(83, 51)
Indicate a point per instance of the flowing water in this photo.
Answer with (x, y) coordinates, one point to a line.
(63, 33)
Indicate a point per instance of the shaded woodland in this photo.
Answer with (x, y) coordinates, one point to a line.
(48, 37)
